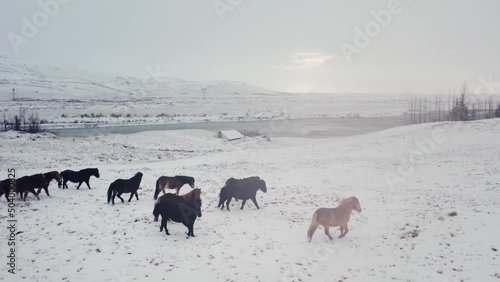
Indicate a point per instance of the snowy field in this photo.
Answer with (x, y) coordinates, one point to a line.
(407, 179)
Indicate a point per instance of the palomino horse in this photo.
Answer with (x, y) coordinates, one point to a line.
(120, 186)
(172, 182)
(338, 216)
(29, 183)
(189, 197)
(78, 177)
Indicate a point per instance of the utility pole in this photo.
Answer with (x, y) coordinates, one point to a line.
(204, 93)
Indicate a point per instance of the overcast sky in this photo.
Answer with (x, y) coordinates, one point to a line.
(427, 46)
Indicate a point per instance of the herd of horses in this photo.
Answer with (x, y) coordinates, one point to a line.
(172, 207)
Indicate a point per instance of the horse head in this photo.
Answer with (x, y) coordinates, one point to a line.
(191, 182)
(262, 186)
(356, 206)
(57, 176)
(96, 173)
(138, 176)
(351, 202)
(156, 212)
(198, 204)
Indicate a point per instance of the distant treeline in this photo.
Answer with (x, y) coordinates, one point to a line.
(464, 107)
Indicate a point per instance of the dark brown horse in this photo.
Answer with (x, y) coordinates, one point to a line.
(49, 176)
(172, 182)
(29, 183)
(189, 197)
(120, 186)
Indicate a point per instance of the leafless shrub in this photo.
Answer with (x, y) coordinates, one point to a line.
(19, 122)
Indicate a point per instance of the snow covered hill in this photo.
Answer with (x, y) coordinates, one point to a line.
(41, 81)
(408, 181)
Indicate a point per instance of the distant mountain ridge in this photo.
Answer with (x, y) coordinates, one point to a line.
(44, 81)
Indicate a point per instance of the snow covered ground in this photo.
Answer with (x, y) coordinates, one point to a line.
(433, 170)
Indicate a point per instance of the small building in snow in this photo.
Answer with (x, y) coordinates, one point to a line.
(229, 134)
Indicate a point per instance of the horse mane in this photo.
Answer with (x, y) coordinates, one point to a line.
(348, 201)
(90, 169)
(185, 178)
(190, 195)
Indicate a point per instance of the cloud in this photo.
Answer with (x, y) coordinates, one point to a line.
(307, 60)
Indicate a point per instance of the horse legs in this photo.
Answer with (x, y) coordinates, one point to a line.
(176, 192)
(113, 197)
(118, 195)
(327, 232)
(87, 182)
(131, 196)
(227, 202)
(136, 196)
(65, 185)
(191, 229)
(243, 204)
(45, 188)
(35, 193)
(255, 203)
(79, 185)
(164, 224)
(343, 231)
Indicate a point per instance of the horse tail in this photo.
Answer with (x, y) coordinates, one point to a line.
(314, 225)
(110, 191)
(157, 190)
(222, 197)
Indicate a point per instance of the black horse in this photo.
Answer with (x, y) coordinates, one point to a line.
(243, 189)
(5, 188)
(178, 212)
(121, 186)
(77, 176)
